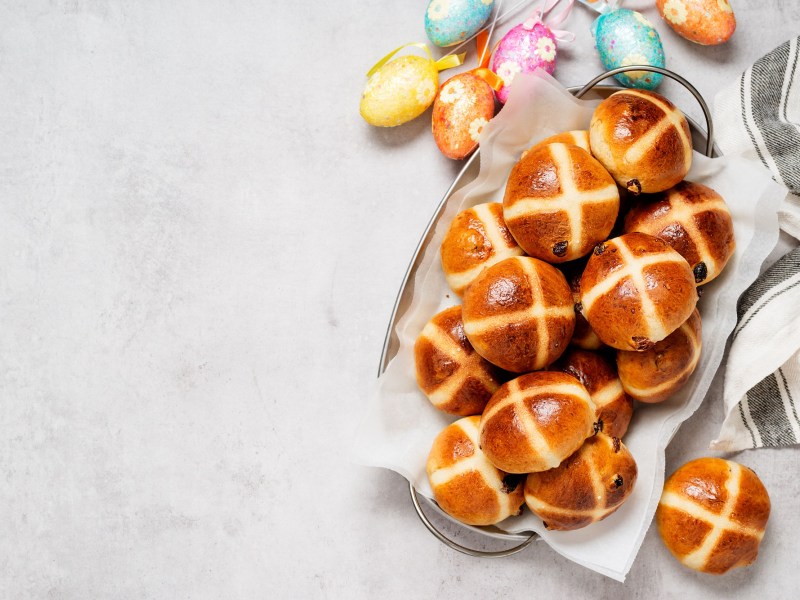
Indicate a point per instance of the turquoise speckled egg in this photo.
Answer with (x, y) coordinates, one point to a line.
(449, 22)
(624, 37)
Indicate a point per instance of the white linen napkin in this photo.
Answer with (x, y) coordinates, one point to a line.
(758, 118)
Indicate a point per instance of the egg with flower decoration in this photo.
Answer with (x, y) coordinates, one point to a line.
(706, 22)
(464, 105)
(625, 37)
(525, 48)
(449, 22)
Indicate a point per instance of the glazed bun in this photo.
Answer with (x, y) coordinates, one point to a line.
(636, 290)
(477, 238)
(598, 375)
(519, 314)
(579, 138)
(694, 220)
(642, 139)
(712, 515)
(465, 484)
(559, 202)
(657, 373)
(535, 421)
(587, 487)
(449, 372)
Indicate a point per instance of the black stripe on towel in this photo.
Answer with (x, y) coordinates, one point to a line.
(781, 139)
(791, 81)
(789, 395)
(768, 414)
(788, 266)
(745, 113)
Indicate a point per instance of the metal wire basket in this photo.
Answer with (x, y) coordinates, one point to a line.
(702, 138)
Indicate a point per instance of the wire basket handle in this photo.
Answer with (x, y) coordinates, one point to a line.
(697, 96)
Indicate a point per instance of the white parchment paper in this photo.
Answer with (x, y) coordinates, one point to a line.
(400, 424)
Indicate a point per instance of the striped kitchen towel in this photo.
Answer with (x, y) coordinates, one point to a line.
(759, 117)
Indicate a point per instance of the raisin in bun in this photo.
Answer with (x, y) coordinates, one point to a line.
(518, 314)
(465, 484)
(657, 373)
(449, 372)
(598, 375)
(712, 515)
(477, 238)
(636, 290)
(559, 202)
(642, 139)
(584, 336)
(535, 421)
(694, 220)
(587, 487)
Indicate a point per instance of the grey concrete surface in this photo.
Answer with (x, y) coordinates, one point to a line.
(201, 244)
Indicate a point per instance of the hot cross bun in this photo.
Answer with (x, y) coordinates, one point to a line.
(579, 138)
(655, 374)
(712, 515)
(559, 202)
(535, 421)
(518, 314)
(598, 375)
(449, 372)
(642, 139)
(694, 220)
(477, 238)
(587, 487)
(636, 290)
(465, 484)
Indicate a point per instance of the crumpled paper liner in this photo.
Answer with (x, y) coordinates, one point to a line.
(400, 424)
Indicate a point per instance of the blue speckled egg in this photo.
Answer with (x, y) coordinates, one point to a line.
(449, 22)
(624, 37)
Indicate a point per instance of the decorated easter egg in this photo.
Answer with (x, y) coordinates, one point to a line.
(624, 37)
(449, 22)
(706, 22)
(523, 49)
(399, 91)
(464, 105)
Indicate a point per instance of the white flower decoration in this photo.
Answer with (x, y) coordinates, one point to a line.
(452, 92)
(487, 2)
(546, 49)
(635, 59)
(372, 83)
(438, 10)
(675, 11)
(641, 18)
(507, 71)
(476, 127)
(724, 6)
(426, 91)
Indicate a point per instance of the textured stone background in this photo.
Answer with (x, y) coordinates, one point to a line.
(201, 245)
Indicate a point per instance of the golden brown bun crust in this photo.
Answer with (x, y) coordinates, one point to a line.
(694, 220)
(559, 202)
(449, 372)
(518, 314)
(642, 139)
(587, 487)
(598, 375)
(578, 137)
(636, 290)
(535, 421)
(477, 238)
(481, 495)
(712, 515)
(657, 373)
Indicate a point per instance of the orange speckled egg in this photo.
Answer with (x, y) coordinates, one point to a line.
(464, 105)
(706, 22)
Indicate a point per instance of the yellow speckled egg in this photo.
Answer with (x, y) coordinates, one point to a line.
(706, 22)
(399, 91)
(464, 105)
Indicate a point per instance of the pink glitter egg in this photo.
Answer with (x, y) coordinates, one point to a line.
(523, 50)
